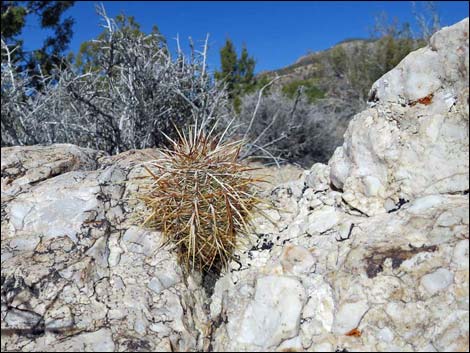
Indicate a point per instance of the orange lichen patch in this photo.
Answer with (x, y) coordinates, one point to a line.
(354, 333)
(425, 100)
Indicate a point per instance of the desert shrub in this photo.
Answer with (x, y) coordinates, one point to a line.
(133, 94)
(127, 91)
(360, 64)
(130, 94)
(292, 130)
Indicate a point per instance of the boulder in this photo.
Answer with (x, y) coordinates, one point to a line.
(413, 140)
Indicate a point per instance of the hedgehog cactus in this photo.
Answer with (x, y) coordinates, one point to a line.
(201, 197)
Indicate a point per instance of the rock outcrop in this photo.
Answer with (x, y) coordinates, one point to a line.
(77, 275)
(413, 140)
(369, 252)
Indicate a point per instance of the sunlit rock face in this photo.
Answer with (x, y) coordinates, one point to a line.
(77, 274)
(413, 140)
(378, 238)
(367, 253)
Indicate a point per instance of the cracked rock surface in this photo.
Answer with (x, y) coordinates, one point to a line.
(76, 274)
(367, 253)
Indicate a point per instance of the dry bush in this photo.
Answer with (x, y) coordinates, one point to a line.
(134, 91)
(281, 129)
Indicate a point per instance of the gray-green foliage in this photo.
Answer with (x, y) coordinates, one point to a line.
(88, 56)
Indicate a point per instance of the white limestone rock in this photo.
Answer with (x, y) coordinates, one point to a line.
(393, 152)
(321, 220)
(437, 280)
(318, 179)
(274, 314)
(349, 316)
(72, 257)
(296, 259)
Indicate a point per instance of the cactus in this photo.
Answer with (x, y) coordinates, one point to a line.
(201, 198)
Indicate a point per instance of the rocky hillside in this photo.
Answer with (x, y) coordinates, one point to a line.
(333, 71)
(312, 65)
(369, 252)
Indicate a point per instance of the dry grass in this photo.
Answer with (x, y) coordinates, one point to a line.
(201, 198)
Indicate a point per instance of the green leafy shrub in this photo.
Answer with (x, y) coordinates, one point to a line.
(308, 88)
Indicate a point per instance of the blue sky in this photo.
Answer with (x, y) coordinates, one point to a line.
(276, 33)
